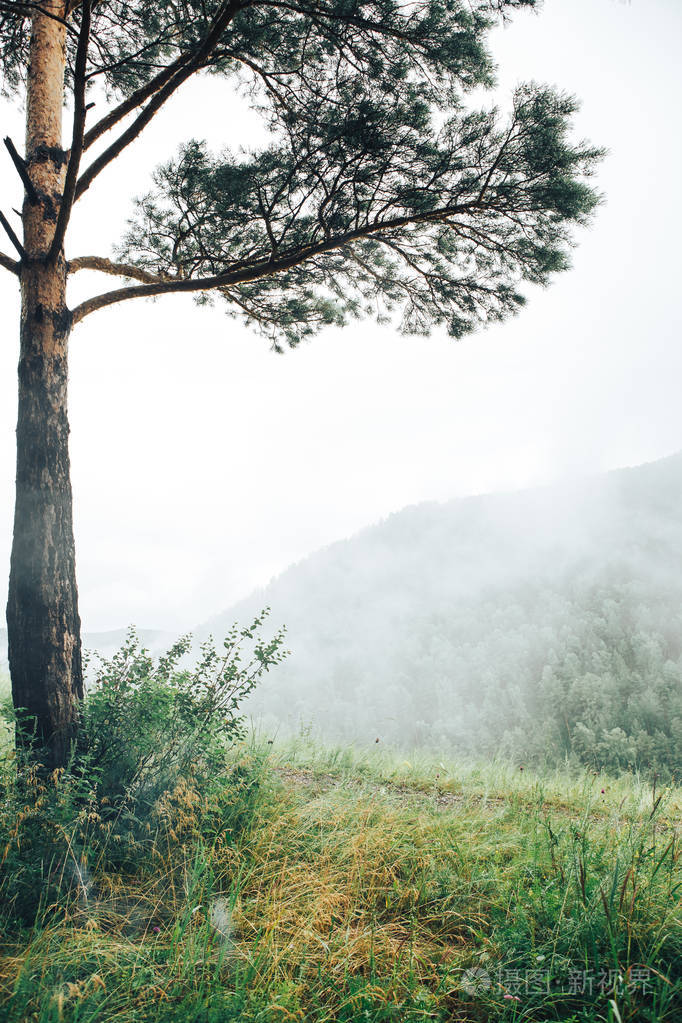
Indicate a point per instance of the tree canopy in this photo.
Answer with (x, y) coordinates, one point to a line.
(379, 191)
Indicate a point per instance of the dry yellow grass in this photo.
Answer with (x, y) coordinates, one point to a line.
(350, 897)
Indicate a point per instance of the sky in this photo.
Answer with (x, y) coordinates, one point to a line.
(204, 463)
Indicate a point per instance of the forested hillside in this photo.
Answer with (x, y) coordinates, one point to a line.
(545, 623)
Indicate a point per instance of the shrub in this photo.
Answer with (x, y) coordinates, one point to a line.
(150, 729)
(146, 723)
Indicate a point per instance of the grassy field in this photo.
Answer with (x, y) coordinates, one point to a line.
(331, 884)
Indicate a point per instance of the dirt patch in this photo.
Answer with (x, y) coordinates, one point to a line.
(321, 783)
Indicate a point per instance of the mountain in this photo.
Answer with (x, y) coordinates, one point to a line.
(106, 643)
(546, 622)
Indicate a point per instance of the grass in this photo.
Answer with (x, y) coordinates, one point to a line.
(5, 699)
(324, 884)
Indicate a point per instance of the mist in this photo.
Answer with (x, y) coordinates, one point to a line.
(544, 624)
(208, 471)
(204, 465)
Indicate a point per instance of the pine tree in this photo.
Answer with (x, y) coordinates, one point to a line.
(380, 190)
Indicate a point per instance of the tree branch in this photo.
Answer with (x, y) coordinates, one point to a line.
(12, 236)
(185, 71)
(106, 266)
(111, 119)
(19, 6)
(265, 267)
(79, 114)
(9, 264)
(22, 171)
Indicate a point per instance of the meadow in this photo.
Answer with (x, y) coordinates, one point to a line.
(339, 884)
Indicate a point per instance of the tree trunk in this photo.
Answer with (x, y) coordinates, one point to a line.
(42, 610)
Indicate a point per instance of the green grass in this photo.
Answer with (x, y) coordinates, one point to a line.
(5, 701)
(335, 884)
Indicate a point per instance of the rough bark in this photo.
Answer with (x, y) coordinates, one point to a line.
(42, 611)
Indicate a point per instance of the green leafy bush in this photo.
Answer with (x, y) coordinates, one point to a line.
(146, 723)
(155, 734)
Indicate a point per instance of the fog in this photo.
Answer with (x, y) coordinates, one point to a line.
(204, 464)
(546, 624)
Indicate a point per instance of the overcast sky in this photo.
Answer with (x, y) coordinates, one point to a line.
(203, 463)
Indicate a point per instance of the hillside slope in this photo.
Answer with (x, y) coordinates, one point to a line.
(547, 621)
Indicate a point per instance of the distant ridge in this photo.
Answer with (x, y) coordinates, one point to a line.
(107, 642)
(544, 623)
(423, 626)
(572, 514)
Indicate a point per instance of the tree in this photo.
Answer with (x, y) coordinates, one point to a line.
(380, 191)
